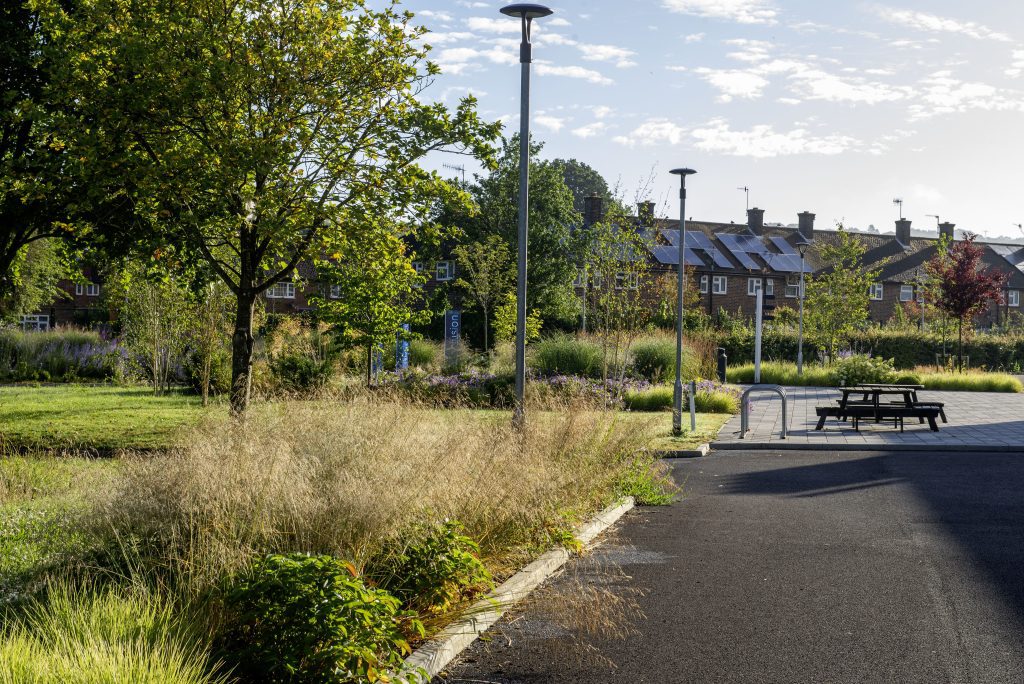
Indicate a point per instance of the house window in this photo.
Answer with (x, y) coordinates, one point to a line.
(1013, 297)
(581, 278)
(718, 284)
(875, 292)
(755, 284)
(37, 322)
(906, 293)
(335, 292)
(282, 290)
(444, 270)
(89, 289)
(792, 286)
(418, 267)
(624, 280)
(703, 284)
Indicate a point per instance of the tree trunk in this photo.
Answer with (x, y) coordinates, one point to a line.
(486, 347)
(241, 353)
(960, 345)
(369, 364)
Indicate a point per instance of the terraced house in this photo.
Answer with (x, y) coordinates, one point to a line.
(730, 262)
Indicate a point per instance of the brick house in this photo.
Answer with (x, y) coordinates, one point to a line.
(730, 262)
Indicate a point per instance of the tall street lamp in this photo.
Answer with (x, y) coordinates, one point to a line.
(677, 406)
(526, 12)
(802, 248)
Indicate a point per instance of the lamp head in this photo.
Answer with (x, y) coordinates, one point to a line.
(683, 172)
(526, 10)
(802, 245)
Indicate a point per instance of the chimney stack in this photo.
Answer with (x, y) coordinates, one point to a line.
(946, 230)
(755, 220)
(903, 232)
(645, 214)
(806, 225)
(592, 210)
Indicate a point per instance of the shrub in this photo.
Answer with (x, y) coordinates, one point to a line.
(780, 373)
(61, 355)
(301, 373)
(81, 634)
(424, 354)
(971, 382)
(859, 369)
(567, 355)
(435, 572)
(655, 359)
(652, 399)
(301, 618)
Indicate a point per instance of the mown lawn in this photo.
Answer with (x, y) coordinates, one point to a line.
(84, 417)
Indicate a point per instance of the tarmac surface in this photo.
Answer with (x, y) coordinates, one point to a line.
(793, 566)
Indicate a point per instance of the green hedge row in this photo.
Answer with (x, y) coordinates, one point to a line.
(907, 348)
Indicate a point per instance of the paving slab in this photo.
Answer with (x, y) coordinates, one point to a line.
(977, 420)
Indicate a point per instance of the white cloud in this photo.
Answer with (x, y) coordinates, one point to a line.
(431, 14)
(750, 50)
(558, 21)
(816, 84)
(489, 25)
(741, 11)
(652, 132)
(601, 111)
(941, 93)
(734, 83)
(590, 130)
(923, 21)
(1017, 65)
(437, 38)
(552, 123)
(694, 38)
(589, 75)
(607, 53)
(763, 141)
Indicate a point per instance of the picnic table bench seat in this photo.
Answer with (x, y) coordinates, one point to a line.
(922, 410)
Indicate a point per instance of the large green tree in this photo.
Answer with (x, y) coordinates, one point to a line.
(552, 247)
(583, 181)
(258, 131)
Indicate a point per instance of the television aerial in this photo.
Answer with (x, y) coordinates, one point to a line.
(899, 202)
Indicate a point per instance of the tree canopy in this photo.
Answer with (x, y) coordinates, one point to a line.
(582, 180)
(257, 133)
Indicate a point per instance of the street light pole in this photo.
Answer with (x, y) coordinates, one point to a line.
(526, 12)
(677, 405)
(802, 247)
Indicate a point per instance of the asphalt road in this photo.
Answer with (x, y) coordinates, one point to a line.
(794, 567)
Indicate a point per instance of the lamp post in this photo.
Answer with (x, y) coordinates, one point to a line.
(802, 248)
(677, 406)
(526, 12)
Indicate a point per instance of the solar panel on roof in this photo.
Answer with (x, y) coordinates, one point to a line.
(782, 244)
(784, 263)
(738, 250)
(699, 240)
(670, 255)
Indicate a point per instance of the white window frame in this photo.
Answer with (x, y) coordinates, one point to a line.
(334, 292)
(35, 322)
(719, 280)
(704, 284)
(632, 280)
(444, 271)
(792, 290)
(88, 289)
(755, 284)
(284, 289)
(906, 292)
(876, 292)
(1013, 297)
(418, 267)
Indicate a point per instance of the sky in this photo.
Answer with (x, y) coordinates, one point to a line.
(835, 107)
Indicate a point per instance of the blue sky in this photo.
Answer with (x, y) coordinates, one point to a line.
(832, 107)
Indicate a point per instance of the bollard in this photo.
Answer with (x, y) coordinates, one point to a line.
(722, 362)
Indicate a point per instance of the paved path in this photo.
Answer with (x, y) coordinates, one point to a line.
(976, 420)
(802, 567)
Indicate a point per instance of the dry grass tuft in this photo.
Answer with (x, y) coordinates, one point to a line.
(356, 480)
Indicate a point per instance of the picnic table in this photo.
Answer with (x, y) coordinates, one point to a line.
(870, 405)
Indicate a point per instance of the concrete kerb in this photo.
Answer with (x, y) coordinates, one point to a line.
(435, 655)
(701, 450)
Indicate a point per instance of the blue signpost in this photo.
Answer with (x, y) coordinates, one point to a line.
(452, 333)
(402, 351)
